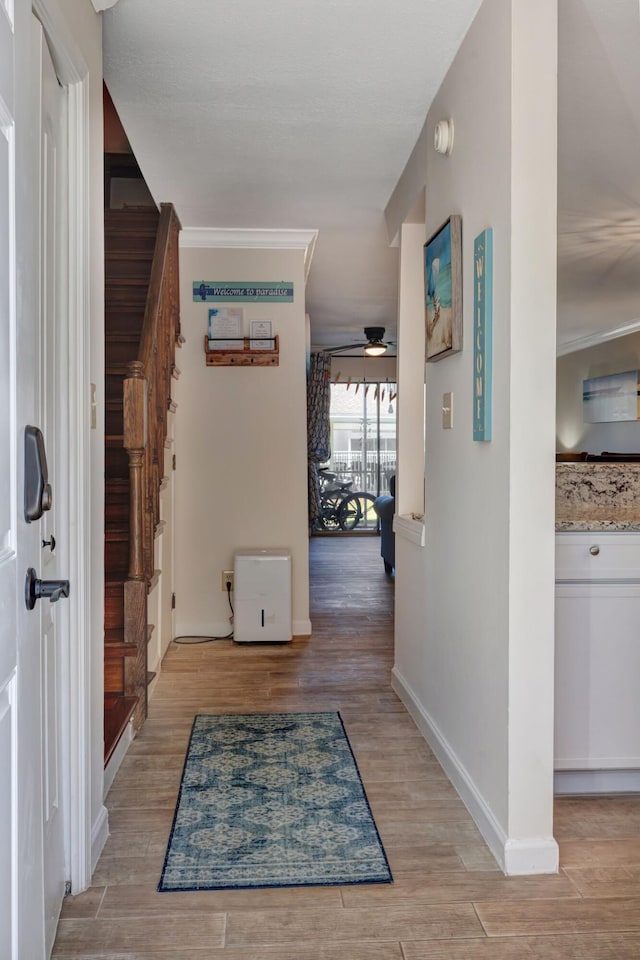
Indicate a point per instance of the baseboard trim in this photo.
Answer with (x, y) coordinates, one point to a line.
(489, 827)
(116, 759)
(515, 857)
(530, 856)
(99, 836)
(567, 782)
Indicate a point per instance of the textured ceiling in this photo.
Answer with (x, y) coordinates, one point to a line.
(598, 166)
(289, 114)
(301, 114)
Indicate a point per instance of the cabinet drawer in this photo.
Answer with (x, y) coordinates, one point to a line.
(597, 556)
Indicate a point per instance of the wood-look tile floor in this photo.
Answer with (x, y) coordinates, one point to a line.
(449, 901)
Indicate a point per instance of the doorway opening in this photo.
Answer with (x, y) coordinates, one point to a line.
(363, 440)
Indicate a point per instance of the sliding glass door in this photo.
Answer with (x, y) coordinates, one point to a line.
(363, 438)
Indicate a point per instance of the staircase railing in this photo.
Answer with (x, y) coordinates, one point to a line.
(146, 399)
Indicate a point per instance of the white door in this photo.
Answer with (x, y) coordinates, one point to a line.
(8, 513)
(54, 524)
(31, 841)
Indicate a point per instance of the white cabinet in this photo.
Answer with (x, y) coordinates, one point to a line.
(597, 671)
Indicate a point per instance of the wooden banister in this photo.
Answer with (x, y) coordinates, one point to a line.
(134, 442)
(164, 275)
(146, 392)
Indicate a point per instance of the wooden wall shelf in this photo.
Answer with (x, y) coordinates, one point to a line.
(244, 356)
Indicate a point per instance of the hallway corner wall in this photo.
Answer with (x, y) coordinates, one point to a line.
(474, 621)
(240, 442)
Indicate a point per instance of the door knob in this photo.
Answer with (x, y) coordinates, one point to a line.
(35, 589)
(594, 550)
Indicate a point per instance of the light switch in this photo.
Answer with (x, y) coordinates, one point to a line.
(447, 411)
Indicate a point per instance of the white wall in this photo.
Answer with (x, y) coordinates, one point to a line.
(572, 433)
(241, 444)
(474, 657)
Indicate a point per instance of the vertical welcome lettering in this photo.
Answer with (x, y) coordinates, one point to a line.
(482, 334)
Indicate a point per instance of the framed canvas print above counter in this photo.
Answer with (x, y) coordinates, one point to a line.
(611, 398)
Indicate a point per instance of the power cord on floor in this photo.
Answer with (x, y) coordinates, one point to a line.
(193, 640)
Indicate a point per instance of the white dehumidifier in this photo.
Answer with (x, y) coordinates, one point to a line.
(262, 596)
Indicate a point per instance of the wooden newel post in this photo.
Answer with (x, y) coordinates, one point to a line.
(134, 442)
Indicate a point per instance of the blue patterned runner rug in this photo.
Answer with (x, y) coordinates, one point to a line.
(271, 800)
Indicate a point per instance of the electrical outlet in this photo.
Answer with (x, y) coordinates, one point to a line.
(227, 577)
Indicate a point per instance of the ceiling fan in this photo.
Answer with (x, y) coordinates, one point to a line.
(374, 347)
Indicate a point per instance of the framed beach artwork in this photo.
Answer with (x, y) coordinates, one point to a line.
(611, 398)
(443, 290)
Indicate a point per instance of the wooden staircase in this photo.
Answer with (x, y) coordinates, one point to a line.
(142, 330)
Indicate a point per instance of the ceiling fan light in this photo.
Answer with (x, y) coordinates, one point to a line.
(375, 348)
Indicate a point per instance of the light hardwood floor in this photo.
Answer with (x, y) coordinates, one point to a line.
(448, 902)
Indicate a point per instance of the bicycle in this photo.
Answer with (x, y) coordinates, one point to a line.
(355, 508)
(333, 493)
(341, 508)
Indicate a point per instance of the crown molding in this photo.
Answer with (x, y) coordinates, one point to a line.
(594, 339)
(100, 5)
(242, 239)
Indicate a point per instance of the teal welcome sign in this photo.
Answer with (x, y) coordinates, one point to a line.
(482, 323)
(234, 291)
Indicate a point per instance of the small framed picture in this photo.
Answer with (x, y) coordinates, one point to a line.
(261, 335)
(225, 328)
(443, 290)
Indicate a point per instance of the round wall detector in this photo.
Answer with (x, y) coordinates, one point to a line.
(443, 137)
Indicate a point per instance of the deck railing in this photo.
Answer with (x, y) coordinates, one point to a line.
(370, 473)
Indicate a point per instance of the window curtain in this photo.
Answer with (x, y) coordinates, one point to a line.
(318, 432)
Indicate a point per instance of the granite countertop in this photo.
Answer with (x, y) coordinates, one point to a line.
(601, 526)
(603, 497)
